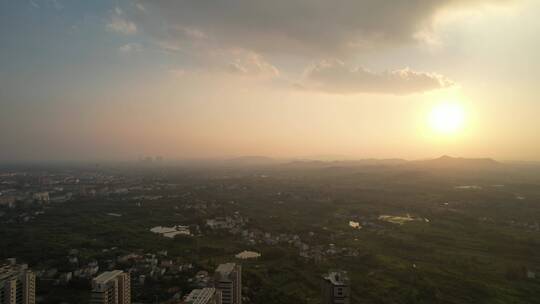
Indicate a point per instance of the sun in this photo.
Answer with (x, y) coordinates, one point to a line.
(447, 118)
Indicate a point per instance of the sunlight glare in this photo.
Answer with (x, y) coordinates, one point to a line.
(447, 118)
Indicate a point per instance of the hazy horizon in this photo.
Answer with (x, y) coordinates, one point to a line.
(120, 80)
(254, 160)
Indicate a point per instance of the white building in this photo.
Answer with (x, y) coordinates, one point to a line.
(111, 287)
(228, 280)
(204, 296)
(17, 284)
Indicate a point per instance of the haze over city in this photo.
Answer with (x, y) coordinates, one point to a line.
(117, 80)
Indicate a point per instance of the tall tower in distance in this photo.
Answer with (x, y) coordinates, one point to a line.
(111, 287)
(228, 280)
(17, 283)
(336, 288)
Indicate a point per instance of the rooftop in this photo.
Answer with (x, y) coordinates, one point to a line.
(337, 277)
(226, 268)
(10, 269)
(107, 276)
(200, 296)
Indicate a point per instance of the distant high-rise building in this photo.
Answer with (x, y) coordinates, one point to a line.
(111, 287)
(204, 296)
(336, 288)
(228, 280)
(17, 284)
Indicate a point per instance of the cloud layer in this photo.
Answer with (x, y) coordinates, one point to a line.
(120, 24)
(335, 77)
(252, 64)
(244, 37)
(316, 27)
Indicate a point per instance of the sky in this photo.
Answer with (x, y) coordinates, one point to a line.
(118, 80)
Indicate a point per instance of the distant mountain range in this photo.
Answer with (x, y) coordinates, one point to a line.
(441, 162)
(457, 162)
(252, 160)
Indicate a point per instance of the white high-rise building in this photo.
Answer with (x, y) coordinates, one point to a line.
(228, 280)
(17, 284)
(111, 287)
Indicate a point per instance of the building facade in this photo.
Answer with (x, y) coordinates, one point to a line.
(111, 287)
(17, 284)
(228, 280)
(336, 288)
(204, 296)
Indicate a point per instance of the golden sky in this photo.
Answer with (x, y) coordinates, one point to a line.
(302, 78)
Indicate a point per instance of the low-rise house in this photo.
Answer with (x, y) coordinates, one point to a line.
(42, 197)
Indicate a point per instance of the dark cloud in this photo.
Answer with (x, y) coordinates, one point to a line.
(336, 77)
(321, 27)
